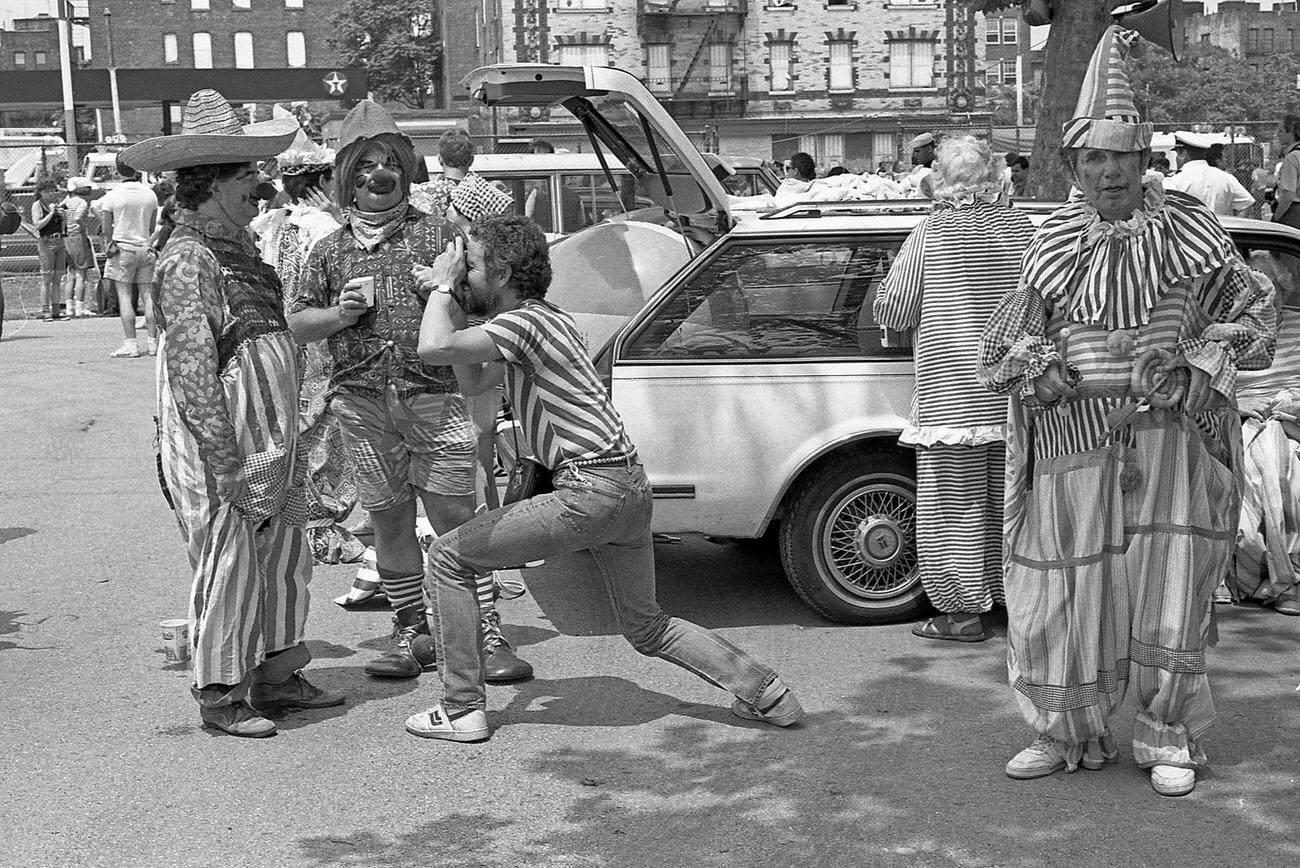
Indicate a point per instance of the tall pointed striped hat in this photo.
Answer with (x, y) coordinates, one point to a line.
(1106, 117)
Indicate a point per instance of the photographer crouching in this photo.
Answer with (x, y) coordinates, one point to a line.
(601, 502)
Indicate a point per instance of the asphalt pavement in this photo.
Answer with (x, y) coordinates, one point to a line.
(606, 758)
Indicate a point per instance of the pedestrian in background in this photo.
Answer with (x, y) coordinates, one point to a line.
(127, 215)
(47, 220)
(916, 184)
(228, 424)
(1211, 186)
(1120, 524)
(1287, 208)
(76, 241)
(601, 501)
(946, 281)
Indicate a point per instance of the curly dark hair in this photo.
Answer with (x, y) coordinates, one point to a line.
(296, 186)
(512, 241)
(194, 183)
(47, 184)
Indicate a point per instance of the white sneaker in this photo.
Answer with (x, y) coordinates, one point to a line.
(778, 706)
(470, 725)
(1045, 756)
(1172, 780)
(128, 350)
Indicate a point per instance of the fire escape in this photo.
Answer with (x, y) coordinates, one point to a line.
(704, 39)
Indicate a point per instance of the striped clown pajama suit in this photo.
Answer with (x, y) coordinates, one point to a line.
(1117, 537)
(228, 398)
(946, 281)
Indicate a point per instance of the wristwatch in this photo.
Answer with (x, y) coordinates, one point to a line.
(443, 288)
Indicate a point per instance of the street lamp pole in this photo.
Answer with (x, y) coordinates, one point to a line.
(112, 73)
(65, 70)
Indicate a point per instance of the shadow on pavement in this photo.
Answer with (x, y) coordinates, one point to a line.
(710, 584)
(9, 534)
(906, 770)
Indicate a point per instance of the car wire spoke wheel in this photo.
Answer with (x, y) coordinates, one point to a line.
(848, 537)
(867, 540)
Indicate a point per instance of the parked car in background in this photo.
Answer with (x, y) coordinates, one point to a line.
(760, 392)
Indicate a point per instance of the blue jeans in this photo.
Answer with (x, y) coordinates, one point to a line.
(604, 510)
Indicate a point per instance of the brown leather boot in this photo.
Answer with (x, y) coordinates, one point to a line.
(412, 652)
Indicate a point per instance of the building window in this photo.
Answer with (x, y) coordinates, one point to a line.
(1008, 72)
(584, 55)
(911, 64)
(295, 46)
(199, 5)
(658, 69)
(292, 4)
(1010, 31)
(1205, 39)
(20, 58)
(841, 66)
(992, 31)
(241, 4)
(171, 53)
(39, 57)
(826, 149)
(202, 43)
(781, 58)
(1266, 40)
(243, 50)
(720, 67)
(1252, 39)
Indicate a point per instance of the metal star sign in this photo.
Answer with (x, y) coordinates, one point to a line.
(335, 84)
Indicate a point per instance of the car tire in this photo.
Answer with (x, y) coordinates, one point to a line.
(848, 540)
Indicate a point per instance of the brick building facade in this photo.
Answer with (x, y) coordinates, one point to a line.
(1251, 33)
(32, 44)
(844, 80)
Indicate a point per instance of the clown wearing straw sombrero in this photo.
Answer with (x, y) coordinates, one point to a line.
(228, 423)
(1120, 348)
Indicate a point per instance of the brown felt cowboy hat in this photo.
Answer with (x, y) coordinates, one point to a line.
(211, 133)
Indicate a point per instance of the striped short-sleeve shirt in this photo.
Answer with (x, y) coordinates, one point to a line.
(554, 390)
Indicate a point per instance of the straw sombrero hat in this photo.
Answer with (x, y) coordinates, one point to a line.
(211, 133)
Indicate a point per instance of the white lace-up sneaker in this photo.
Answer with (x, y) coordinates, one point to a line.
(128, 350)
(467, 725)
(1043, 757)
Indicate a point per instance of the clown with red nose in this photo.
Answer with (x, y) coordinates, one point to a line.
(404, 422)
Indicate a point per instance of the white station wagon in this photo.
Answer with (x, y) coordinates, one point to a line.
(742, 354)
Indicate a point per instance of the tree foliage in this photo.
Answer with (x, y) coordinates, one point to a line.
(1077, 26)
(395, 41)
(1212, 86)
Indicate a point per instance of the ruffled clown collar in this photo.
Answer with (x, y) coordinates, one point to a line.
(1112, 273)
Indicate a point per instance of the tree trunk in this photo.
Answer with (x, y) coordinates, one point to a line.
(1076, 29)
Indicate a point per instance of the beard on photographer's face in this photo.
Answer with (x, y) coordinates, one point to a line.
(480, 292)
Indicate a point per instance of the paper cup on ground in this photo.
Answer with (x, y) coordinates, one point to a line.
(176, 639)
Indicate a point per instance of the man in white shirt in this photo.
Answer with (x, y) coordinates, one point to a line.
(917, 184)
(128, 214)
(1220, 191)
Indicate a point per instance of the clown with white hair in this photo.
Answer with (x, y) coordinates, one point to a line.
(949, 276)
